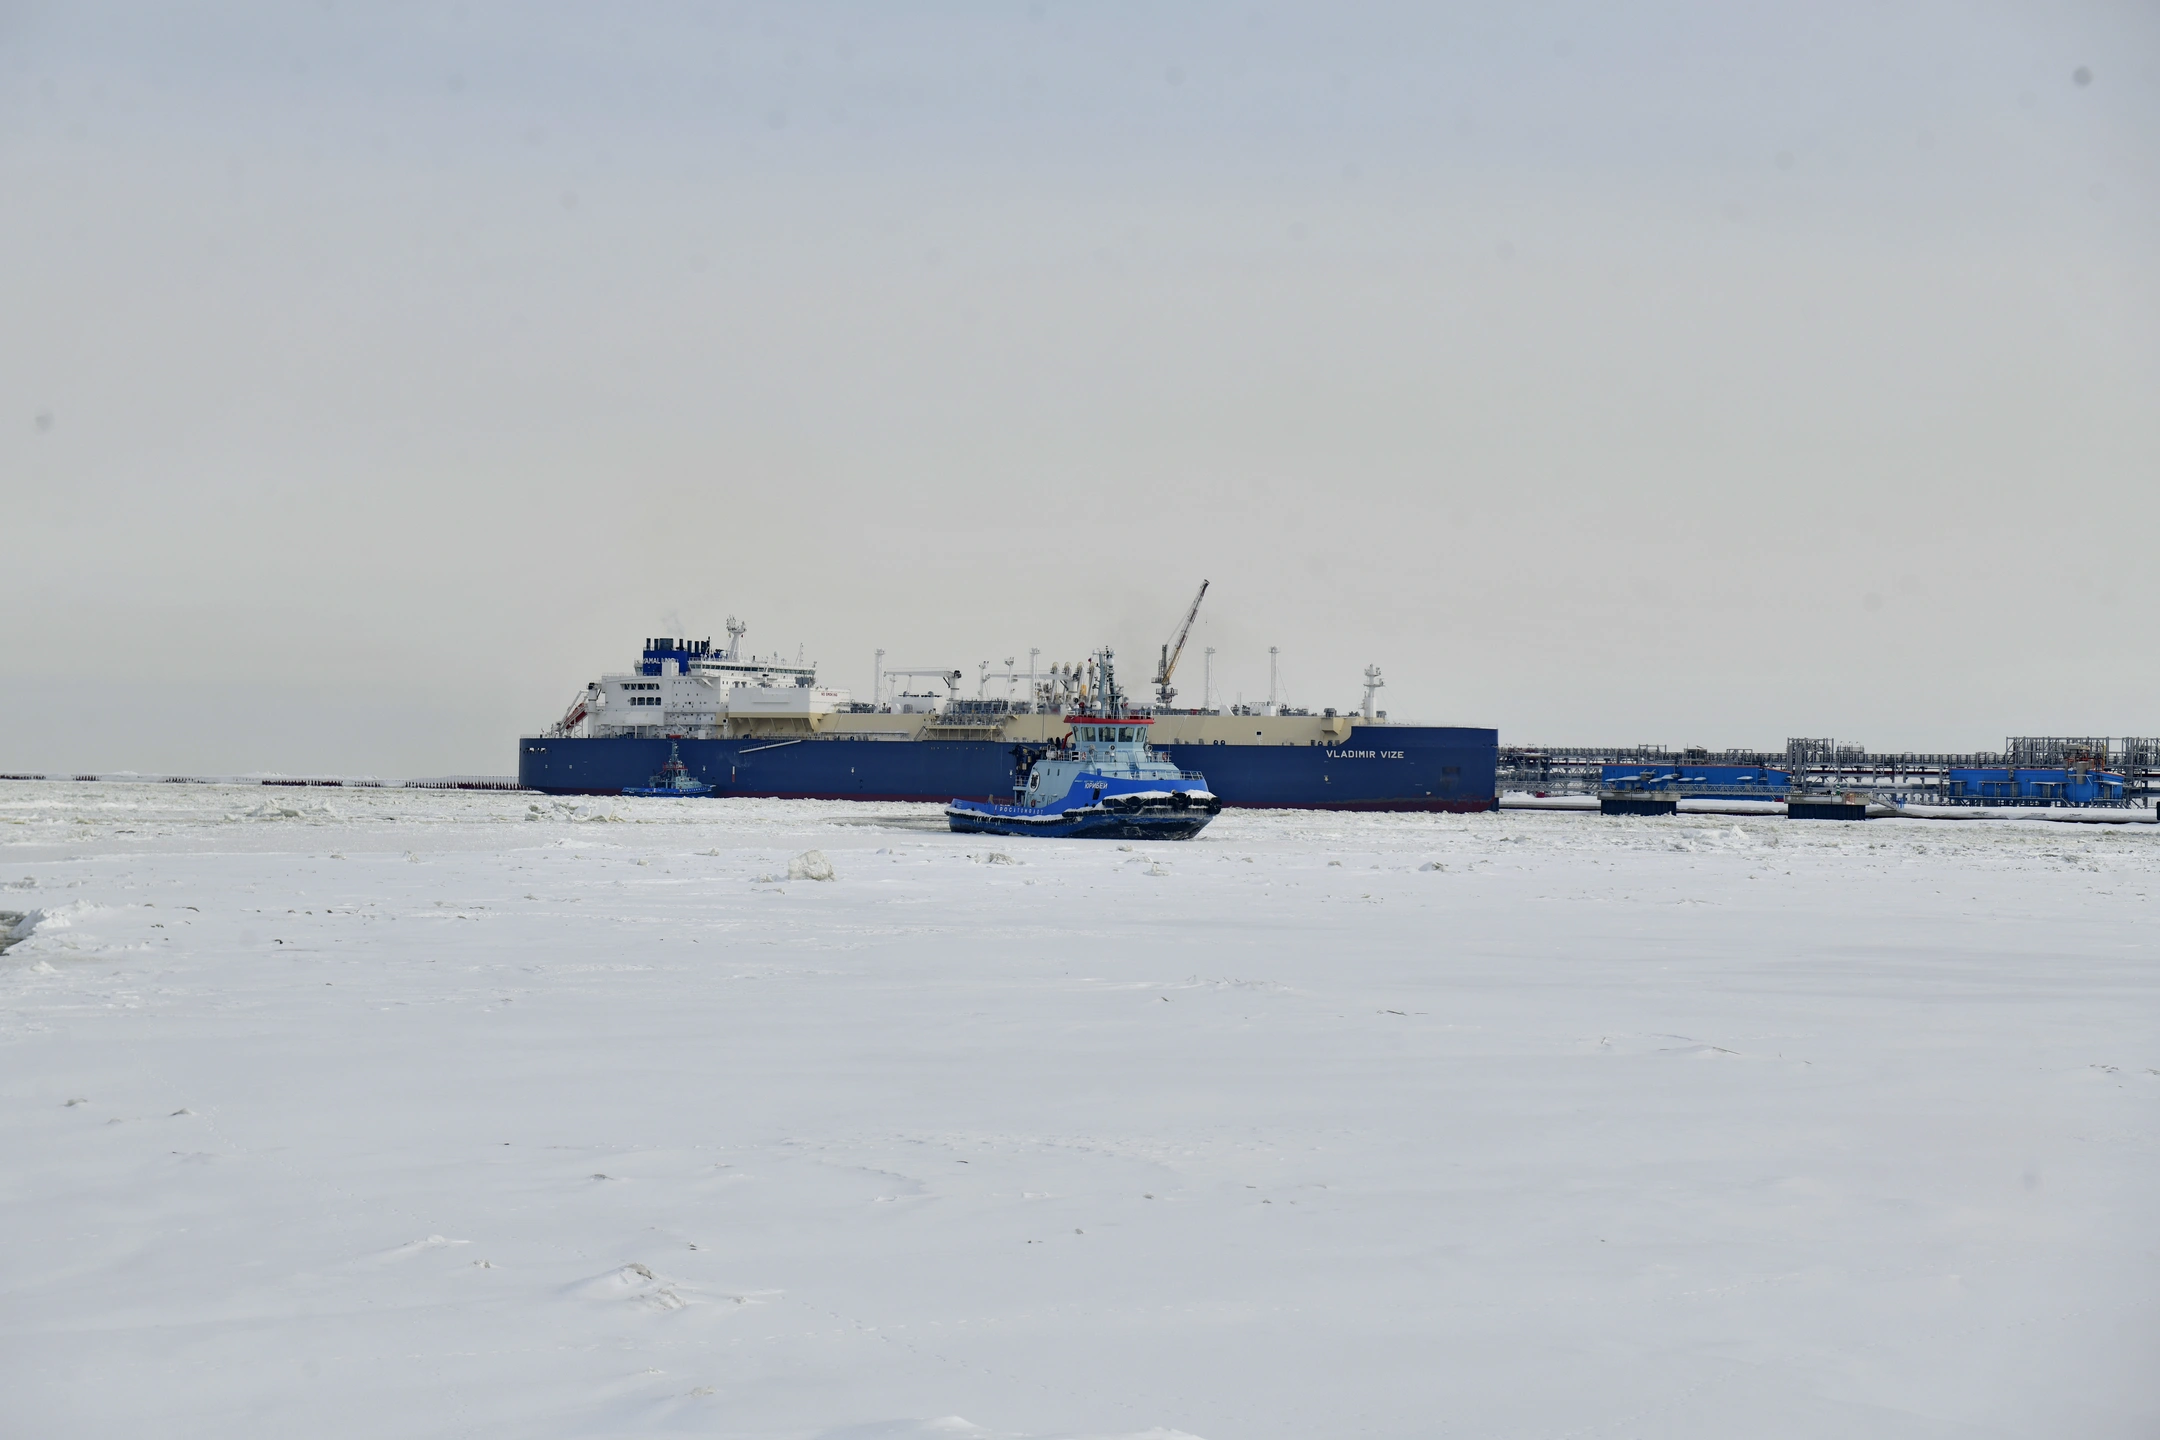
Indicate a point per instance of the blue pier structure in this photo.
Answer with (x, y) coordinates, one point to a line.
(1696, 782)
(2062, 785)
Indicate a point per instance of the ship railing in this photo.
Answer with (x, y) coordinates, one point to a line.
(657, 732)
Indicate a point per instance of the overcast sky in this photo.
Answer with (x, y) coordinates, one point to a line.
(373, 376)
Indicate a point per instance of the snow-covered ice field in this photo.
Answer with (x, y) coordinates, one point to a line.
(373, 1113)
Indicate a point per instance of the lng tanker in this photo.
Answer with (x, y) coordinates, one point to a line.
(747, 725)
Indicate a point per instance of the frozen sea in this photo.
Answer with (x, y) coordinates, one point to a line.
(369, 1113)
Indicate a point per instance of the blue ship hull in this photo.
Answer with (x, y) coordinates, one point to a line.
(1381, 767)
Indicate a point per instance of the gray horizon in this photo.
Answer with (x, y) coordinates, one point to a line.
(377, 376)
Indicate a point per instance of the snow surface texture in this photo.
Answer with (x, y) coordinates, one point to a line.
(448, 1113)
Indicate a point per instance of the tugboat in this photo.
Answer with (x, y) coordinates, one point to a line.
(674, 779)
(1103, 783)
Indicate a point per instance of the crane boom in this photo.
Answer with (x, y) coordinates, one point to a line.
(1164, 693)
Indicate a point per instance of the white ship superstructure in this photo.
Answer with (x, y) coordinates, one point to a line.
(693, 690)
(690, 689)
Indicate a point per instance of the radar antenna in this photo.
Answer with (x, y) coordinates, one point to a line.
(1164, 691)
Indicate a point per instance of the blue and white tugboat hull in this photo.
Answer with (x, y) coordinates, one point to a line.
(1132, 815)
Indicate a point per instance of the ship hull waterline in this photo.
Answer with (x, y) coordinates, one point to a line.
(1163, 826)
